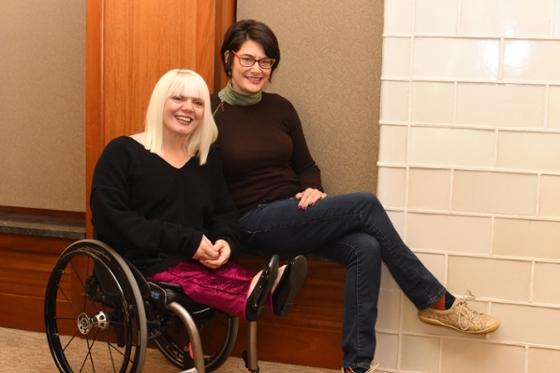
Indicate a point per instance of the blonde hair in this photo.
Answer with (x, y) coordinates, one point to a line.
(186, 83)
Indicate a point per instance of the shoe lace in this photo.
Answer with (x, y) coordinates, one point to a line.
(468, 316)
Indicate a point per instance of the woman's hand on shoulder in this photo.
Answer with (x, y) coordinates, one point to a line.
(308, 197)
(224, 250)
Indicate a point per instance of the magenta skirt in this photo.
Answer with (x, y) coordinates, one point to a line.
(224, 288)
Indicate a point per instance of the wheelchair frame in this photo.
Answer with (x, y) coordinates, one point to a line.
(96, 304)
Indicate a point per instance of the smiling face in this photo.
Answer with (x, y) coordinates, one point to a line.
(248, 80)
(182, 115)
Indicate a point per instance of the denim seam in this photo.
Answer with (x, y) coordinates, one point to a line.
(358, 300)
(359, 345)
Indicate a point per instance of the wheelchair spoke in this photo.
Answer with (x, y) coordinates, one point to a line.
(77, 274)
(125, 353)
(111, 354)
(111, 347)
(94, 311)
(72, 312)
(69, 341)
(88, 355)
(61, 290)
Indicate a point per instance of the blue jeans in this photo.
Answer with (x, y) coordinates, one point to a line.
(352, 229)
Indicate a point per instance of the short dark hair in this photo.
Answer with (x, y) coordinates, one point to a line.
(249, 29)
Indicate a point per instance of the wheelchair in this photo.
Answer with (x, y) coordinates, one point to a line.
(101, 314)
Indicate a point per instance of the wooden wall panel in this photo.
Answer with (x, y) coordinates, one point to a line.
(225, 16)
(141, 41)
(311, 333)
(25, 265)
(95, 126)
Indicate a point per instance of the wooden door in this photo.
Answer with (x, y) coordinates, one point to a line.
(129, 45)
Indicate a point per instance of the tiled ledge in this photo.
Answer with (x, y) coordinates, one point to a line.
(42, 226)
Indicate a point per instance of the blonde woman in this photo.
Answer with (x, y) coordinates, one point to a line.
(159, 198)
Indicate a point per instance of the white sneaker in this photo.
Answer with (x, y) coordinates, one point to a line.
(461, 317)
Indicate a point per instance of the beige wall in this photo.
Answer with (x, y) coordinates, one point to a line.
(42, 104)
(469, 168)
(330, 68)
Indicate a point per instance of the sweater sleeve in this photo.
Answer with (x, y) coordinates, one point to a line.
(118, 224)
(302, 162)
(224, 223)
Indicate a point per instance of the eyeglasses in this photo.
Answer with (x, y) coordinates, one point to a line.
(247, 60)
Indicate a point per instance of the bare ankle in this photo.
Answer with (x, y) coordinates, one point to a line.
(254, 283)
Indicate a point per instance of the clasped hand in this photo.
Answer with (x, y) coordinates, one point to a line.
(212, 255)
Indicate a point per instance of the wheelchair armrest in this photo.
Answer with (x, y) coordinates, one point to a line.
(164, 293)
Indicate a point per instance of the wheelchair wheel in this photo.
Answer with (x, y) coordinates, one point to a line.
(94, 315)
(218, 332)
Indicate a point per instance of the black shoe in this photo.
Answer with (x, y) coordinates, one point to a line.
(289, 284)
(257, 298)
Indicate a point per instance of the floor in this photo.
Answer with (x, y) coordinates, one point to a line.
(28, 352)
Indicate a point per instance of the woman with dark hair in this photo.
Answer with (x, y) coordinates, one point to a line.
(160, 199)
(276, 184)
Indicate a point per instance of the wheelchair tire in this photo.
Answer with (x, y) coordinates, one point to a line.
(94, 314)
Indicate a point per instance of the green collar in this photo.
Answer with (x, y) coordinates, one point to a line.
(230, 96)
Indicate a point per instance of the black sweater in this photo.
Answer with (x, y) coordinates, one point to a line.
(155, 214)
(264, 151)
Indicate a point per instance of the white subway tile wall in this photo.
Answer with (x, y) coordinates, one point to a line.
(469, 169)
(546, 274)
(449, 233)
(387, 349)
(397, 52)
(543, 360)
(392, 144)
(464, 58)
(531, 60)
(549, 202)
(431, 189)
(433, 102)
(395, 178)
(389, 303)
(553, 108)
(474, 101)
(464, 356)
(495, 192)
(420, 353)
(436, 17)
(395, 101)
(506, 17)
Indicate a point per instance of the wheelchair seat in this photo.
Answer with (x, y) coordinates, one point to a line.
(101, 313)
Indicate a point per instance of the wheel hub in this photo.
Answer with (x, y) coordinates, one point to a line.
(85, 323)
